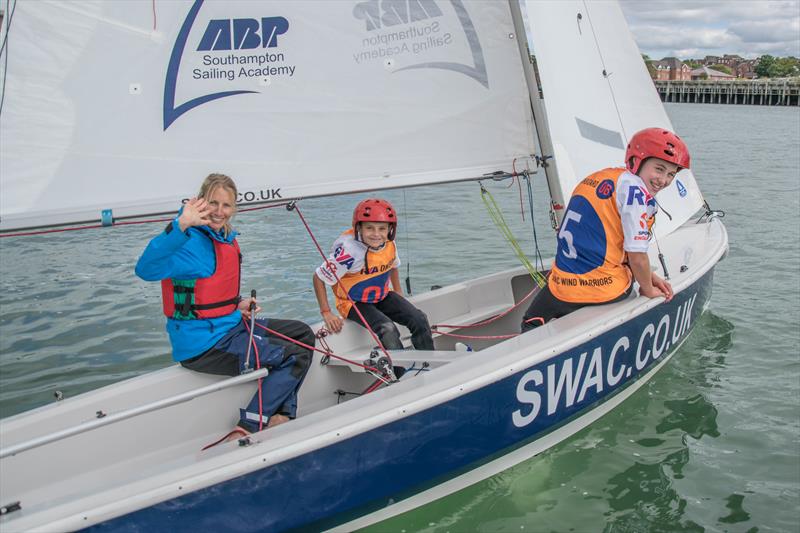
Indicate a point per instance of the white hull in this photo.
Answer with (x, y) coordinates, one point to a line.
(137, 463)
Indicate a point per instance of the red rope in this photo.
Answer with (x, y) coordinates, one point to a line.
(26, 233)
(509, 336)
(374, 386)
(487, 321)
(313, 348)
(270, 206)
(333, 271)
(457, 336)
(128, 223)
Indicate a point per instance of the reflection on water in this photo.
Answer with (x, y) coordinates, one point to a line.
(737, 514)
(643, 498)
(695, 416)
(623, 468)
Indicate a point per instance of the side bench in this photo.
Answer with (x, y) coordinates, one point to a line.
(418, 358)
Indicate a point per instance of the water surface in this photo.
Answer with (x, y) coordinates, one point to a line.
(711, 443)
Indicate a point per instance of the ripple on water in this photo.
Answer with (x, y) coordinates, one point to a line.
(709, 444)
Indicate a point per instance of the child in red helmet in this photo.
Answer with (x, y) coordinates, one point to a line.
(606, 230)
(360, 269)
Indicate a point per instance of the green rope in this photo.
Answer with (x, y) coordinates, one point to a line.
(500, 222)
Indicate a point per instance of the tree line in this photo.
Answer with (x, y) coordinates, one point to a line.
(767, 66)
(777, 67)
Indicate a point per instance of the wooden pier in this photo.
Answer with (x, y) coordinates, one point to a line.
(780, 92)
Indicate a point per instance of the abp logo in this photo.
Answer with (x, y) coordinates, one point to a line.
(242, 34)
(377, 14)
(220, 34)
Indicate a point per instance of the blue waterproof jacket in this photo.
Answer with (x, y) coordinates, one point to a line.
(187, 255)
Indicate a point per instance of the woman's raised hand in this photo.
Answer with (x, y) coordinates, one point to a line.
(195, 213)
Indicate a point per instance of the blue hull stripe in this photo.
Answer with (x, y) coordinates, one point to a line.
(338, 483)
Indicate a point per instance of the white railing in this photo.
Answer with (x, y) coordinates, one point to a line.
(130, 413)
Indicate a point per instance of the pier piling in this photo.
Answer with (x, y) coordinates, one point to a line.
(773, 92)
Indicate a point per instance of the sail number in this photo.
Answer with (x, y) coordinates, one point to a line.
(581, 238)
(566, 234)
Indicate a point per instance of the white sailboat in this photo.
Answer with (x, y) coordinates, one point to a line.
(129, 103)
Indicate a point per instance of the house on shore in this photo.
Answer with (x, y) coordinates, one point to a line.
(671, 68)
(706, 73)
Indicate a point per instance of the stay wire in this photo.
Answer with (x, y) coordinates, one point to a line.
(10, 17)
(408, 246)
(606, 74)
(537, 252)
(653, 233)
(4, 48)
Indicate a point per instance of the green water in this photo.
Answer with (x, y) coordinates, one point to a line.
(711, 443)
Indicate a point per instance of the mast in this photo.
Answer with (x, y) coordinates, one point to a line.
(539, 115)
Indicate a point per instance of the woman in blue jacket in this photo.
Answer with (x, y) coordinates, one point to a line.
(198, 261)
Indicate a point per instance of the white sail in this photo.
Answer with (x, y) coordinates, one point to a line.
(597, 94)
(127, 105)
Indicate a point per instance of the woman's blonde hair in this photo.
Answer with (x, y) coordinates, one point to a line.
(210, 185)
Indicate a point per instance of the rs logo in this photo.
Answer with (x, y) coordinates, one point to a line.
(343, 258)
(635, 193)
(243, 34)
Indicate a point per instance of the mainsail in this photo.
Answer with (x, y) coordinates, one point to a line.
(125, 106)
(585, 49)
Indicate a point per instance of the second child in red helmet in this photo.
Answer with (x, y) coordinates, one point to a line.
(606, 230)
(362, 271)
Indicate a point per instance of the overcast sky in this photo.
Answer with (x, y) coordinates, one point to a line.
(696, 28)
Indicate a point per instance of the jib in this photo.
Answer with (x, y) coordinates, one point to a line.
(243, 34)
(378, 13)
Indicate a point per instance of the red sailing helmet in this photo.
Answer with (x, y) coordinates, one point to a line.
(656, 142)
(375, 210)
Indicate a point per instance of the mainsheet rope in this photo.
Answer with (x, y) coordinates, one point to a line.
(325, 352)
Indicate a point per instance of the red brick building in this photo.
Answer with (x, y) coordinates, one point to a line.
(671, 68)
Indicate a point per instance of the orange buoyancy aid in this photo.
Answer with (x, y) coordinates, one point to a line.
(589, 265)
(211, 297)
(371, 283)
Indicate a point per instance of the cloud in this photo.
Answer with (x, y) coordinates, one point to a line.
(767, 31)
(709, 12)
(694, 28)
(656, 37)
